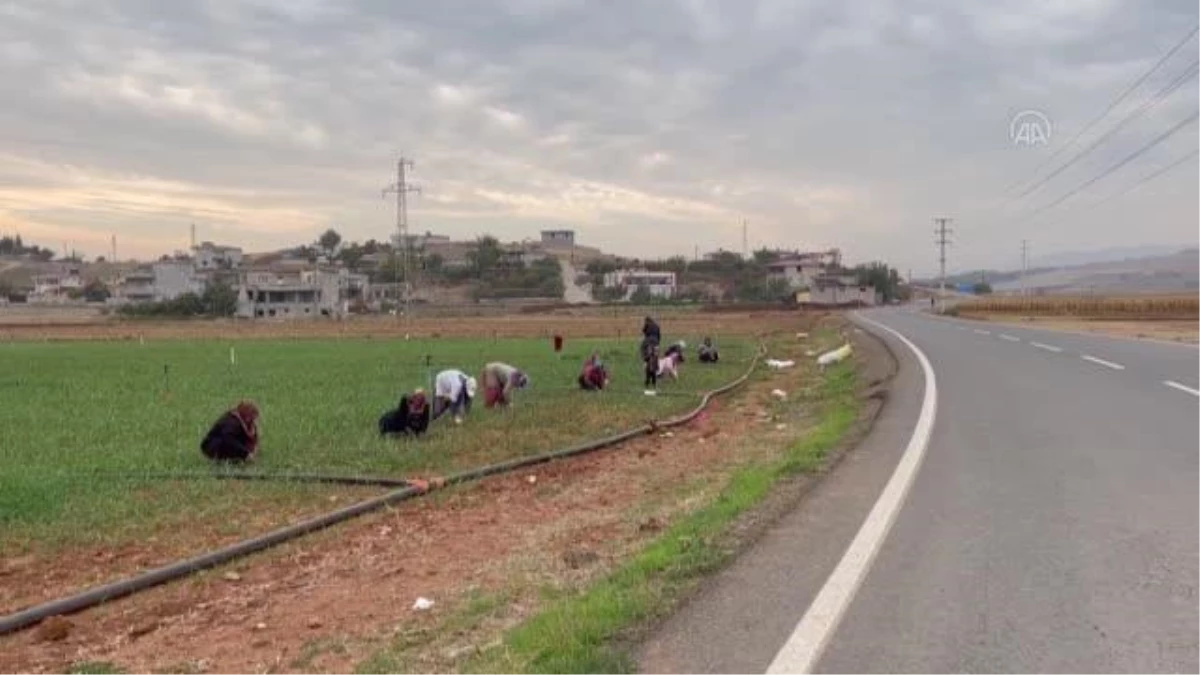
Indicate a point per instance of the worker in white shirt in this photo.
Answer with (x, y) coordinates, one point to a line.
(453, 390)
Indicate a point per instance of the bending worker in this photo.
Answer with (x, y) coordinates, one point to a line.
(594, 376)
(234, 436)
(500, 380)
(453, 390)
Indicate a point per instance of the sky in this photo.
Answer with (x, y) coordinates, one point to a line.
(650, 128)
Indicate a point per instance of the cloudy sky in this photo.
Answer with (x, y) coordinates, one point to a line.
(649, 127)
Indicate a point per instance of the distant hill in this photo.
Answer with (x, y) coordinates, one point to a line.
(1104, 255)
(1178, 271)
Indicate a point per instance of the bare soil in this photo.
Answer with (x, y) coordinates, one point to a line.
(576, 322)
(326, 602)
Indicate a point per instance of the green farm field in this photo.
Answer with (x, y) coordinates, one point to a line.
(85, 424)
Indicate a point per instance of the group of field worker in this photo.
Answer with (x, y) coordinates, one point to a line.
(234, 436)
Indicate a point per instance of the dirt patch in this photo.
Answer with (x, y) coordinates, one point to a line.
(330, 600)
(1185, 331)
(595, 323)
(47, 572)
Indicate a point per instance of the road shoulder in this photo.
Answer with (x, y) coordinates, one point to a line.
(737, 621)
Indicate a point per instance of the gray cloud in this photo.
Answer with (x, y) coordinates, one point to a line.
(643, 125)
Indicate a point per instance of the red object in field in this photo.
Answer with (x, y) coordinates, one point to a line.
(558, 343)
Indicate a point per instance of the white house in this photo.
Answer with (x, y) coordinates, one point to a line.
(299, 294)
(209, 256)
(558, 238)
(55, 286)
(164, 280)
(660, 284)
(801, 270)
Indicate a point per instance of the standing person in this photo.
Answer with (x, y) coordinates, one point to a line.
(594, 376)
(453, 390)
(500, 380)
(234, 436)
(651, 359)
(651, 334)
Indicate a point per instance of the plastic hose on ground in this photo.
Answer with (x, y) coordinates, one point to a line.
(117, 589)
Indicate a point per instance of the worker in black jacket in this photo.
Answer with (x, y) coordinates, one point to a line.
(234, 436)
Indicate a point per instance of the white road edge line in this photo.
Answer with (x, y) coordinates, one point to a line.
(983, 332)
(1010, 338)
(1180, 387)
(811, 635)
(1049, 348)
(1106, 364)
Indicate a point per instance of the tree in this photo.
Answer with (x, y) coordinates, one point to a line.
(486, 256)
(219, 299)
(329, 241)
(96, 291)
(764, 256)
(885, 279)
(351, 254)
(981, 288)
(641, 295)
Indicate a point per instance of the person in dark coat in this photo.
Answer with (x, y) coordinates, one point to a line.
(411, 416)
(708, 352)
(234, 436)
(594, 376)
(651, 331)
(651, 364)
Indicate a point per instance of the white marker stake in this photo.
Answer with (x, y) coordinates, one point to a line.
(232, 357)
(806, 643)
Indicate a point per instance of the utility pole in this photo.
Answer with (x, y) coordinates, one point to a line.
(402, 188)
(193, 235)
(1024, 264)
(943, 239)
(114, 248)
(745, 249)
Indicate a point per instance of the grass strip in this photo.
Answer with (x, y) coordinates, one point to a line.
(581, 633)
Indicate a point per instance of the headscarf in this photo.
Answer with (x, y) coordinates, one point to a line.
(471, 385)
(417, 402)
(247, 414)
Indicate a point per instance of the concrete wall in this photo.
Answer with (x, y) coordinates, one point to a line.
(173, 279)
(841, 295)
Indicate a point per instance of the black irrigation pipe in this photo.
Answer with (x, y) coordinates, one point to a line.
(160, 575)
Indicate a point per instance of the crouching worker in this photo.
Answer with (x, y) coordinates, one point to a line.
(411, 416)
(453, 390)
(500, 380)
(675, 350)
(708, 352)
(594, 376)
(234, 436)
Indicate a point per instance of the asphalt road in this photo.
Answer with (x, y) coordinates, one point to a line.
(1052, 525)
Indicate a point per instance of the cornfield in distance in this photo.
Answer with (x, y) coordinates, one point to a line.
(1147, 307)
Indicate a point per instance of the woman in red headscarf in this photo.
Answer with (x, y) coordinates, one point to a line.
(234, 436)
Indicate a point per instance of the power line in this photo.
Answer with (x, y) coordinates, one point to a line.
(1132, 156)
(1111, 106)
(1158, 97)
(1151, 176)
